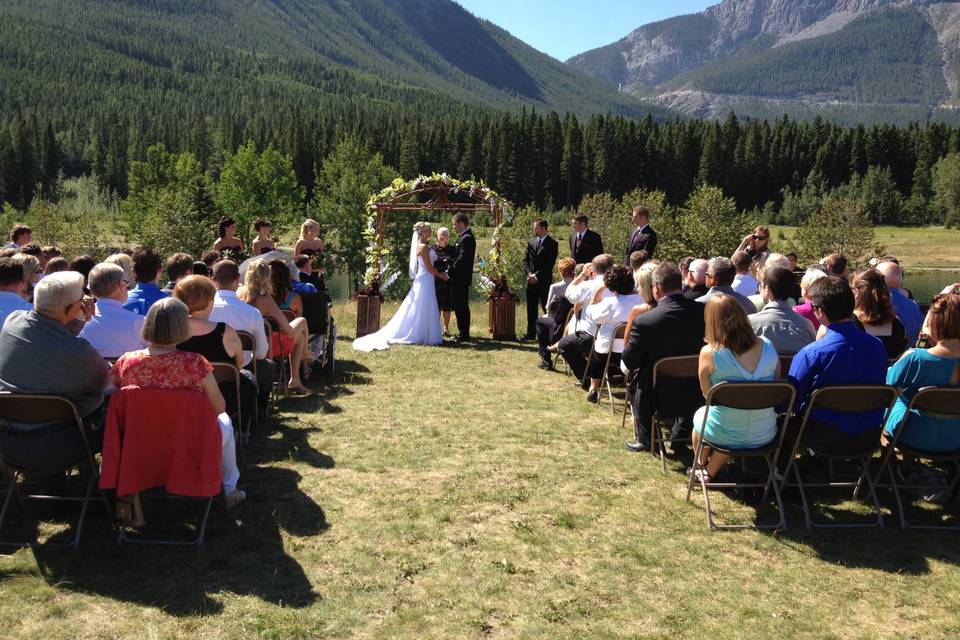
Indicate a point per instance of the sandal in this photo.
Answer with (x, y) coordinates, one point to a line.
(700, 475)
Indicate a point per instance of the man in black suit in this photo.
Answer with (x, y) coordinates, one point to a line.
(696, 284)
(674, 328)
(538, 265)
(643, 238)
(461, 275)
(585, 243)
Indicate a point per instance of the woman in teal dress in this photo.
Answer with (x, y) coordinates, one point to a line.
(733, 353)
(936, 366)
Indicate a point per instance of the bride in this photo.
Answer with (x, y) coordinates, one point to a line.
(418, 319)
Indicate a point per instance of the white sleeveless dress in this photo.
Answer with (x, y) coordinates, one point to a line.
(417, 321)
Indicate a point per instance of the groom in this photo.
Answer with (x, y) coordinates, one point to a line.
(461, 274)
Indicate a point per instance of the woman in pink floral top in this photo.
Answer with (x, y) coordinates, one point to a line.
(162, 366)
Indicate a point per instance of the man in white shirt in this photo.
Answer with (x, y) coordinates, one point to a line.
(12, 286)
(228, 308)
(583, 291)
(744, 283)
(113, 331)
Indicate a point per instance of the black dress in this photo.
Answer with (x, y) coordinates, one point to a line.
(445, 258)
(210, 346)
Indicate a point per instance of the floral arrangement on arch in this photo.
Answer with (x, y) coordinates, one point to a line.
(493, 280)
(376, 277)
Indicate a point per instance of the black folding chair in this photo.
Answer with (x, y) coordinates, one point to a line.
(676, 394)
(843, 399)
(557, 358)
(280, 382)
(750, 396)
(618, 334)
(785, 362)
(937, 402)
(46, 409)
(227, 374)
(249, 343)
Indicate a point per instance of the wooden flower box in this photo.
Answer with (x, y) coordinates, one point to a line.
(503, 318)
(368, 314)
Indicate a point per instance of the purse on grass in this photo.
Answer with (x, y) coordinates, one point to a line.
(130, 511)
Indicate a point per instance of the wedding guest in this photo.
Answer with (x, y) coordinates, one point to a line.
(684, 266)
(308, 244)
(56, 265)
(112, 330)
(772, 261)
(33, 249)
(538, 264)
(757, 246)
(695, 284)
(179, 265)
(805, 309)
(307, 273)
(446, 253)
(31, 272)
(281, 287)
(875, 312)
(123, 261)
(13, 288)
(550, 325)
(262, 243)
(905, 307)
(674, 328)
(733, 353)
(933, 367)
(720, 275)
(21, 235)
(82, 265)
(200, 268)
(162, 366)
(585, 243)
(147, 266)
(643, 238)
(792, 262)
(645, 290)
(778, 322)
(228, 308)
(227, 240)
(637, 260)
(836, 264)
(291, 338)
(607, 314)
(586, 289)
(744, 283)
(210, 258)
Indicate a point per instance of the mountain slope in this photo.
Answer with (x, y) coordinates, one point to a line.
(147, 51)
(893, 57)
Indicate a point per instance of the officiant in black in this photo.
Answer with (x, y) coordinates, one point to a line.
(446, 254)
(538, 265)
(585, 243)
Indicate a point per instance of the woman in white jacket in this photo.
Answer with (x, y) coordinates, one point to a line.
(607, 314)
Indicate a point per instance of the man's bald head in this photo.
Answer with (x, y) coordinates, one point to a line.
(892, 273)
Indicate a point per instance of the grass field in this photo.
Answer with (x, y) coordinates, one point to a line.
(460, 492)
(916, 247)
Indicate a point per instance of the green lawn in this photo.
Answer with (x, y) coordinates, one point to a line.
(460, 492)
(916, 247)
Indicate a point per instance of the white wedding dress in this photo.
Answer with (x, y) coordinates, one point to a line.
(418, 319)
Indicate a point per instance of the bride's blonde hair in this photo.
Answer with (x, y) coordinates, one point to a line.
(420, 226)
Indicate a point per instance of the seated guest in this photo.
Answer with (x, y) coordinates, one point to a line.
(210, 258)
(56, 265)
(308, 274)
(787, 330)
(178, 266)
(845, 355)
(684, 265)
(836, 265)
(637, 260)
(291, 337)
(281, 284)
(125, 262)
(147, 266)
(40, 354)
(647, 300)
(112, 330)
(200, 268)
(239, 315)
(875, 312)
(586, 289)
(733, 353)
(674, 328)
(31, 272)
(695, 284)
(162, 366)
(215, 341)
(20, 236)
(12, 289)
(720, 275)
(550, 324)
(792, 262)
(744, 282)
(607, 314)
(82, 265)
(773, 260)
(905, 307)
(936, 366)
(33, 249)
(805, 309)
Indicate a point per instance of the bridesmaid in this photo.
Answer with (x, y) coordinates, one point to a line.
(262, 243)
(309, 244)
(228, 240)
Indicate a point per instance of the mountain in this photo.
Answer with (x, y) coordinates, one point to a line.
(67, 57)
(891, 60)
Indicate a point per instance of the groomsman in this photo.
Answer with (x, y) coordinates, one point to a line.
(538, 265)
(643, 238)
(585, 243)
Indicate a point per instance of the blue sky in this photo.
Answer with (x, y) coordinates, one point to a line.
(564, 28)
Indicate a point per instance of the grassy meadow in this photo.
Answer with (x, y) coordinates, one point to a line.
(460, 492)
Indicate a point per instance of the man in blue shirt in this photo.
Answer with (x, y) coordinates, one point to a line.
(906, 309)
(147, 266)
(845, 355)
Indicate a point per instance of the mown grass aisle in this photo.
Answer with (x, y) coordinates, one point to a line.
(461, 492)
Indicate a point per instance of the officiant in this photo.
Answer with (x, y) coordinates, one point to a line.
(446, 253)
(538, 265)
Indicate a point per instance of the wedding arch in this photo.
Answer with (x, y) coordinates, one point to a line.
(436, 193)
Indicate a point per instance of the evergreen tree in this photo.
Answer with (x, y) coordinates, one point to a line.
(571, 163)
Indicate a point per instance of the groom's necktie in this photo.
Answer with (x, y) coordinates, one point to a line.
(579, 240)
(539, 244)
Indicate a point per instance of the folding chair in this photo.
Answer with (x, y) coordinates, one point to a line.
(618, 334)
(680, 376)
(778, 396)
(227, 373)
(280, 382)
(26, 408)
(785, 362)
(574, 313)
(249, 343)
(939, 402)
(843, 399)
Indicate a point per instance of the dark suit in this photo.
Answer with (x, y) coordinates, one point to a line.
(644, 239)
(695, 292)
(674, 328)
(591, 245)
(461, 277)
(539, 261)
